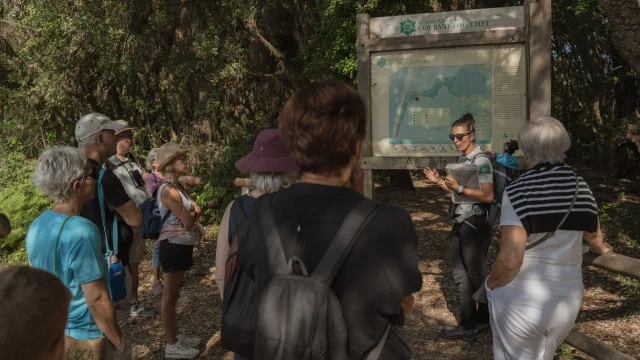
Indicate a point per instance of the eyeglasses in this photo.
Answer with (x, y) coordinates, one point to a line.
(94, 174)
(458, 136)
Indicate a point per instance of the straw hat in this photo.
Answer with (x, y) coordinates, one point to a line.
(167, 152)
(269, 155)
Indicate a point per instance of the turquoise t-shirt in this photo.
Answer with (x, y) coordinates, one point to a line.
(80, 261)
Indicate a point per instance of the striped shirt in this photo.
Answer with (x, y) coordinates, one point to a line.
(542, 196)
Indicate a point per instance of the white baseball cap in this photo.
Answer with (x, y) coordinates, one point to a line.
(93, 123)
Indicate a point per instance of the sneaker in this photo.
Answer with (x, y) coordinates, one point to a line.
(180, 351)
(458, 333)
(138, 309)
(189, 341)
(484, 327)
(157, 287)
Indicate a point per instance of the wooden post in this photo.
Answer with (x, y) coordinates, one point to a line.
(539, 48)
(191, 180)
(243, 183)
(364, 87)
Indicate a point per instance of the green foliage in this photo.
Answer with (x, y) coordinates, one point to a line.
(212, 74)
(218, 185)
(20, 201)
(565, 352)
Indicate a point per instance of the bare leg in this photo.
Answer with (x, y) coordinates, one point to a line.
(172, 281)
(135, 281)
(156, 273)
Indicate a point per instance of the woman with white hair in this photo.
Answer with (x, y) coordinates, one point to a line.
(154, 178)
(535, 287)
(271, 169)
(68, 245)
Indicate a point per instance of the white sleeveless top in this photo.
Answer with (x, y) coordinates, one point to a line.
(182, 238)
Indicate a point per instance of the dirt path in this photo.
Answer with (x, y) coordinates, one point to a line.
(606, 313)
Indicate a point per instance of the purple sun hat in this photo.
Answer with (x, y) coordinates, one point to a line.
(269, 154)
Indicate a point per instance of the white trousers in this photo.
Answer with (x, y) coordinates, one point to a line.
(529, 326)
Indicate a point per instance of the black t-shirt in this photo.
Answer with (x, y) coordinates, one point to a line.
(380, 270)
(114, 197)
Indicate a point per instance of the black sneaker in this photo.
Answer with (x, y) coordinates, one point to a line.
(458, 333)
(480, 328)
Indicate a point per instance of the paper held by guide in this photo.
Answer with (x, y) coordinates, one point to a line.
(467, 176)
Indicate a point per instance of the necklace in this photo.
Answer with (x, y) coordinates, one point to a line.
(303, 220)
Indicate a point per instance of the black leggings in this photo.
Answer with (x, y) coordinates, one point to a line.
(470, 242)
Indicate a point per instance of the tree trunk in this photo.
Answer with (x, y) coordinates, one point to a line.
(624, 18)
(402, 179)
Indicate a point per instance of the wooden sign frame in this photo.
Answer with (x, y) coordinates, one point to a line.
(536, 37)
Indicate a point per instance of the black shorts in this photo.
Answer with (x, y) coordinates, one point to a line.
(175, 257)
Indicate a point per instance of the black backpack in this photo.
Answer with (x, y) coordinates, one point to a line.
(151, 220)
(299, 315)
(238, 305)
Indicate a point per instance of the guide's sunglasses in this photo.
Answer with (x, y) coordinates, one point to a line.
(458, 136)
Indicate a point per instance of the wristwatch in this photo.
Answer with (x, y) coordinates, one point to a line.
(460, 188)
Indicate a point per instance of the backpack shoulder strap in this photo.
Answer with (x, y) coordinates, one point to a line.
(155, 196)
(344, 241)
(275, 252)
(237, 215)
(481, 154)
(551, 234)
(102, 211)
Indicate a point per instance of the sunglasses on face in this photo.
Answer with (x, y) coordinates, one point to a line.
(458, 136)
(93, 174)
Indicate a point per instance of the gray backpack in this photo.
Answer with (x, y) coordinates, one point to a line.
(299, 316)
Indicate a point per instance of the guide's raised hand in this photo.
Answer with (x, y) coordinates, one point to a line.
(432, 175)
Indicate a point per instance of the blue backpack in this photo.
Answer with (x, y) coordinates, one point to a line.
(505, 171)
(151, 220)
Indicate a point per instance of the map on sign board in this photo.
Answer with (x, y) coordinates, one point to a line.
(423, 101)
(416, 96)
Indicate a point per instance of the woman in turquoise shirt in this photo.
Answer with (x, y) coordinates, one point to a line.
(62, 242)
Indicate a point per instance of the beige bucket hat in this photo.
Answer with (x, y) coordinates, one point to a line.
(167, 152)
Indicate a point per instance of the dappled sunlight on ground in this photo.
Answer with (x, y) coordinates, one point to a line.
(199, 308)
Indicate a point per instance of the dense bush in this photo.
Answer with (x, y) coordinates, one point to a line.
(20, 200)
(212, 74)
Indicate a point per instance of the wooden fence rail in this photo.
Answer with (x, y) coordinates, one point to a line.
(618, 264)
(613, 262)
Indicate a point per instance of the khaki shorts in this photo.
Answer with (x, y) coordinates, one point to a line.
(136, 254)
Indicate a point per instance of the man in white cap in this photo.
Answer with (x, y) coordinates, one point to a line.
(130, 174)
(96, 136)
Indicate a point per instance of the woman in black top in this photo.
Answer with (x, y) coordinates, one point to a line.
(323, 125)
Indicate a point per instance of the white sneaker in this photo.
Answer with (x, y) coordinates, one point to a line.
(180, 351)
(189, 341)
